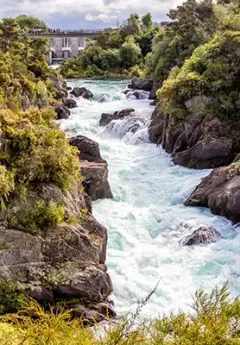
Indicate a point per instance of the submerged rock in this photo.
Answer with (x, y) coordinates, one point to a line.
(203, 235)
(220, 192)
(141, 84)
(107, 118)
(137, 94)
(82, 91)
(104, 98)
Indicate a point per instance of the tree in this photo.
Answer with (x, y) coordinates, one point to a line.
(132, 27)
(115, 40)
(130, 53)
(28, 22)
(147, 21)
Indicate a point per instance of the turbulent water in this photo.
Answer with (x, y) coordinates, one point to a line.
(147, 220)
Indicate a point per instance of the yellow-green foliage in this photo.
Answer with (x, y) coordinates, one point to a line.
(36, 150)
(41, 215)
(23, 69)
(215, 320)
(213, 70)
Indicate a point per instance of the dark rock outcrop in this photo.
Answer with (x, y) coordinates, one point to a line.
(69, 103)
(82, 92)
(62, 112)
(153, 92)
(197, 141)
(220, 192)
(117, 115)
(63, 263)
(89, 149)
(94, 169)
(141, 84)
(96, 180)
(202, 235)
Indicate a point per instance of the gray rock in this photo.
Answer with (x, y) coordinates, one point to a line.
(62, 112)
(107, 118)
(141, 84)
(89, 149)
(96, 180)
(69, 103)
(203, 235)
(220, 192)
(81, 91)
(60, 263)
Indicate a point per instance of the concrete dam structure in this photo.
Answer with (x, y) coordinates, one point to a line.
(65, 43)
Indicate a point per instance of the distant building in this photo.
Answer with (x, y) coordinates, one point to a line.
(64, 44)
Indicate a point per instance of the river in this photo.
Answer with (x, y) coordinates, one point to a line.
(147, 220)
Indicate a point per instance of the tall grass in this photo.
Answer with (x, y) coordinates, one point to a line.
(215, 320)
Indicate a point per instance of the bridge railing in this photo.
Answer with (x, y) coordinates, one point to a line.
(62, 32)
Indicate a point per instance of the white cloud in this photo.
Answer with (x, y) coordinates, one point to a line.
(88, 11)
(105, 18)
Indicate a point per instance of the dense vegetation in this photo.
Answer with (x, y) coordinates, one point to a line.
(118, 52)
(33, 150)
(215, 320)
(197, 54)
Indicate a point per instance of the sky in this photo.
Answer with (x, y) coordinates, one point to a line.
(86, 14)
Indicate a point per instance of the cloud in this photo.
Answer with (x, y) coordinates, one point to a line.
(105, 18)
(85, 13)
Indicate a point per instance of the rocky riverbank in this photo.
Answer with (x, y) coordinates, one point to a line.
(201, 141)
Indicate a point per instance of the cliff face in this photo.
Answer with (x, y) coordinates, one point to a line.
(64, 263)
(198, 141)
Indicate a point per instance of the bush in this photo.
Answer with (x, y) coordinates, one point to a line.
(213, 70)
(42, 215)
(215, 321)
(10, 298)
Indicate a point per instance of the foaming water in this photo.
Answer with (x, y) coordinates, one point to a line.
(147, 220)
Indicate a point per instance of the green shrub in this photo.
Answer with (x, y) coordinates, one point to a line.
(41, 215)
(213, 70)
(10, 298)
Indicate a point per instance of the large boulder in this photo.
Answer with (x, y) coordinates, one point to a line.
(202, 235)
(64, 263)
(141, 84)
(88, 148)
(62, 112)
(220, 192)
(94, 169)
(69, 103)
(117, 115)
(96, 180)
(81, 91)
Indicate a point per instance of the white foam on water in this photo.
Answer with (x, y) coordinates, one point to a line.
(147, 219)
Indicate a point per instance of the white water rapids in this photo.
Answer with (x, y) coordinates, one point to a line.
(147, 220)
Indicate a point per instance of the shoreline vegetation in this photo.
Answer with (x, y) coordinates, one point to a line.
(194, 64)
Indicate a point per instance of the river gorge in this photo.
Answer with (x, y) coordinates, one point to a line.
(146, 219)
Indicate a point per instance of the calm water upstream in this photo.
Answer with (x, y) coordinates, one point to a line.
(147, 220)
